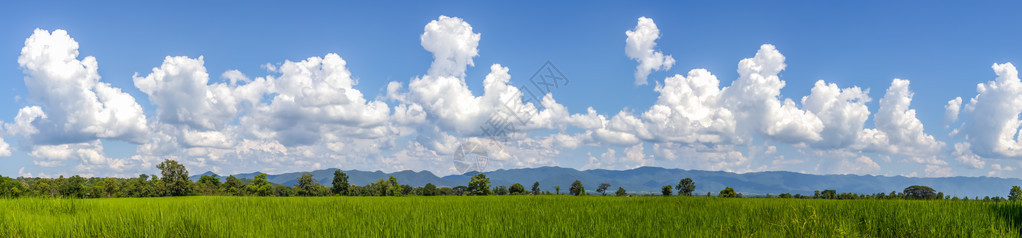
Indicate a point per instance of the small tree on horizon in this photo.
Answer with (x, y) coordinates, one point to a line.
(479, 186)
(603, 188)
(621, 192)
(577, 189)
(535, 188)
(666, 190)
(686, 186)
(727, 192)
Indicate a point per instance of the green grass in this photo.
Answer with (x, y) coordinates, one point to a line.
(532, 216)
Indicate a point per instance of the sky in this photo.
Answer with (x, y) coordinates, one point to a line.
(921, 89)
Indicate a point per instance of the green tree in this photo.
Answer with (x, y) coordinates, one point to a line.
(686, 186)
(208, 184)
(535, 188)
(577, 189)
(828, 194)
(480, 185)
(602, 189)
(621, 192)
(393, 187)
(306, 185)
(340, 183)
(501, 190)
(175, 178)
(557, 190)
(260, 186)
(517, 189)
(920, 192)
(113, 187)
(10, 188)
(666, 190)
(232, 186)
(1015, 194)
(429, 190)
(728, 192)
(281, 190)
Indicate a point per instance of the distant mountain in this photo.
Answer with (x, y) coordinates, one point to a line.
(651, 179)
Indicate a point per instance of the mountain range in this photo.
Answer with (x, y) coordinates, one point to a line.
(649, 180)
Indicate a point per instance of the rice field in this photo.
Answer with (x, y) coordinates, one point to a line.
(517, 216)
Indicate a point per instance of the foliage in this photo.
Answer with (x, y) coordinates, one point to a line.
(535, 188)
(666, 190)
(517, 189)
(501, 190)
(685, 187)
(307, 186)
(175, 178)
(577, 189)
(480, 185)
(260, 186)
(621, 192)
(602, 189)
(233, 186)
(1015, 194)
(340, 183)
(920, 192)
(727, 192)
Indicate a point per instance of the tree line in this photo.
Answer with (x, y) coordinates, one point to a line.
(173, 180)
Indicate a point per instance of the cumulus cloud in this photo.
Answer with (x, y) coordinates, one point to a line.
(898, 130)
(639, 47)
(5, 149)
(79, 107)
(453, 45)
(315, 97)
(951, 110)
(993, 115)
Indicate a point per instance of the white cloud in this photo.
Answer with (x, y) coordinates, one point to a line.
(951, 110)
(453, 45)
(964, 154)
(314, 97)
(860, 165)
(639, 46)
(78, 106)
(753, 97)
(898, 131)
(993, 115)
(180, 91)
(5, 149)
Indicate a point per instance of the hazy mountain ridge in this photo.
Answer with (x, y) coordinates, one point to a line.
(651, 179)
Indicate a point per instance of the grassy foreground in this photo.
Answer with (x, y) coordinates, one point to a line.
(533, 216)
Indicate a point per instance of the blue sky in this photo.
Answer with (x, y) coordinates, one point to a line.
(943, 49)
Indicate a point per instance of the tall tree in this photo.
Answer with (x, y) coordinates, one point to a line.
(686, 186)
(175, 178)
(517, 189)
(602, 189)
(393, 187)
(577, 189)
(306, 185)
(1015, 194)
(557, 190)
(666, 190)
(620, 192)
(535, 188)
(480, 185)
(340, 183)
(232, 186)
(260, 186)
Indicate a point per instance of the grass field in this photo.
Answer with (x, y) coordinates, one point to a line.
(533, 216)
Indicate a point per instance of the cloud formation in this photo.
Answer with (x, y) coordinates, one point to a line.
(639, 47)
(76, 105)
